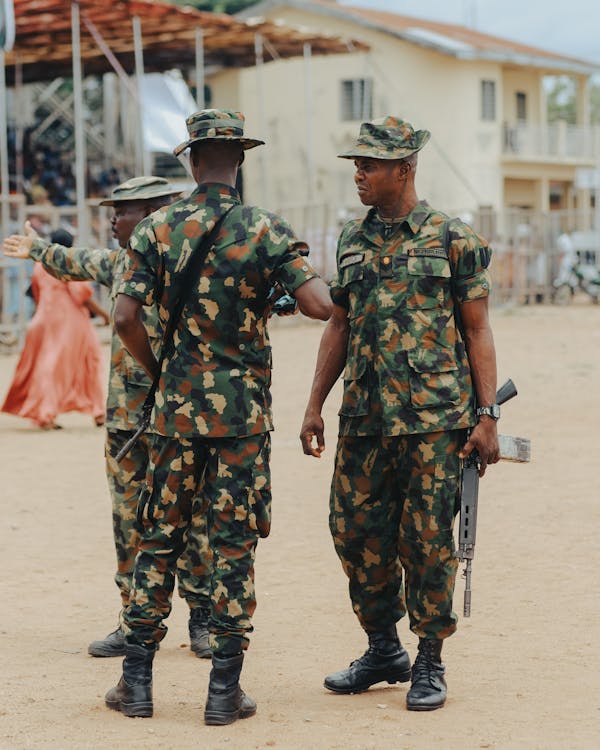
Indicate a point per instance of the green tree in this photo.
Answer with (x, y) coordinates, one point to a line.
(561, 99)
(218, 6)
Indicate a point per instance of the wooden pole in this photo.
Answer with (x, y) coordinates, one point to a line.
(310, 141)
(200, 100)
(5, 213)
(143, 162)
(19, 125)
(80, 152)
(262, 119)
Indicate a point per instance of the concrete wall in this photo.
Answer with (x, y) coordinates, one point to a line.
(461, 169)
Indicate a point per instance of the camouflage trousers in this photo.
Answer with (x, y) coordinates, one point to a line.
(126, 481)
(392, 508)
(228, 481)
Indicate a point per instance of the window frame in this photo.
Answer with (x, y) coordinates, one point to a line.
(488, 106)
(356, 99)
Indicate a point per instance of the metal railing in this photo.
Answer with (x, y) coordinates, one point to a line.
(526, 251)
(556, 141)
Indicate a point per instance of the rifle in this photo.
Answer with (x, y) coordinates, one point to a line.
(511, 449)
(282, 302)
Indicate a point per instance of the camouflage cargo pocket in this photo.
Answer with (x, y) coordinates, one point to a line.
(433, 378)
(355, 401)
(351, 280)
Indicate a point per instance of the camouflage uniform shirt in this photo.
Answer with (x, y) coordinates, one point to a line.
(216, 383)
(128, 383)
(406, 369)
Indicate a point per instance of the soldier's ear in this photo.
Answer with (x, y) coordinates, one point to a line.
(242, 157)
(404, 170)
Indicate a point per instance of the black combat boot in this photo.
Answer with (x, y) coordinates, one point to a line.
(384, 661)
(428, 689)
(226, 700)
(112, 645)
(198, 627)
(133, 695)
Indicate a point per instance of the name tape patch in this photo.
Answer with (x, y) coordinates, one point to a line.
(349, 260)
(430, 252)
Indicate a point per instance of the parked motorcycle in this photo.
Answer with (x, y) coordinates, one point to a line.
(573, 276)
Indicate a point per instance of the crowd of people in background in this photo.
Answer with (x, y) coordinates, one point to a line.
(47, 174)
(47, 181)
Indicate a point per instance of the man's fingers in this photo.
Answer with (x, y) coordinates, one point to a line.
(466, 450)
(306, 438)
(11, 246)
(29, 230)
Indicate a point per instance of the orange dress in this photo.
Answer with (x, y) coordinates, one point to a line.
(60, 368)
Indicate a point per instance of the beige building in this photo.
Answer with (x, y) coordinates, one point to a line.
(482, 97)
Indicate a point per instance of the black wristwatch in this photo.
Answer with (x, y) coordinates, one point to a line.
(492, 411)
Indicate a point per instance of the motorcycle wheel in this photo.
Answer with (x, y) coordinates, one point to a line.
(563, 295)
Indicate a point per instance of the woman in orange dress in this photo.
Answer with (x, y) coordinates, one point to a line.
(60, 368)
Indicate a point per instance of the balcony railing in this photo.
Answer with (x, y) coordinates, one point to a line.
(555, 142)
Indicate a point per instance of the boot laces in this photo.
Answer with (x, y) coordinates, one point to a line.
(426, 668)
(373, 650)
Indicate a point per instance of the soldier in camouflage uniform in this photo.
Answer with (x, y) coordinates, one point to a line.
(411, 378)
(128, 385)
(211, 423)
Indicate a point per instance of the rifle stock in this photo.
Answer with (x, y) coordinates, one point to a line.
(142, 427)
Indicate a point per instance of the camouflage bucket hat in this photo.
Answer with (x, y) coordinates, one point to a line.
(216, 125)
(140, 189)
(387, 138)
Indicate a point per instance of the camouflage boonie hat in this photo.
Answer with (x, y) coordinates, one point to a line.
(216, 125)
(140, 189)
(387, 138)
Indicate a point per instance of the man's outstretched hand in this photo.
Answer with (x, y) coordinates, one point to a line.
(19, 245)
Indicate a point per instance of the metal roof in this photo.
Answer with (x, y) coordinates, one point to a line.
(43, 38)
(446, 38)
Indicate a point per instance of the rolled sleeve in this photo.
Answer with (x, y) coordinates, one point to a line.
(296, 271)
(139, 279)
(470, 256)
(474, 287)
(338, 294)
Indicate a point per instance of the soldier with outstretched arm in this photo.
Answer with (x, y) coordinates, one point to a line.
(416, 383)
(128, 385)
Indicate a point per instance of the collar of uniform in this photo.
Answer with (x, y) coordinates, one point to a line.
(372, 225)
(216, 190)
(418, 216)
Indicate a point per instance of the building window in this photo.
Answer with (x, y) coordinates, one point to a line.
(521, 106)
(357, 99)
(488, 100)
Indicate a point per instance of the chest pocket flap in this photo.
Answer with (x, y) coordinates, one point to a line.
(428, 279)
(428, 265)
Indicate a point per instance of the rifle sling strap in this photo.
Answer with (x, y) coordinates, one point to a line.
(446, 245)
(189, 277)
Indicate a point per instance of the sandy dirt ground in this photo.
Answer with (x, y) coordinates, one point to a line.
(523, 671)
